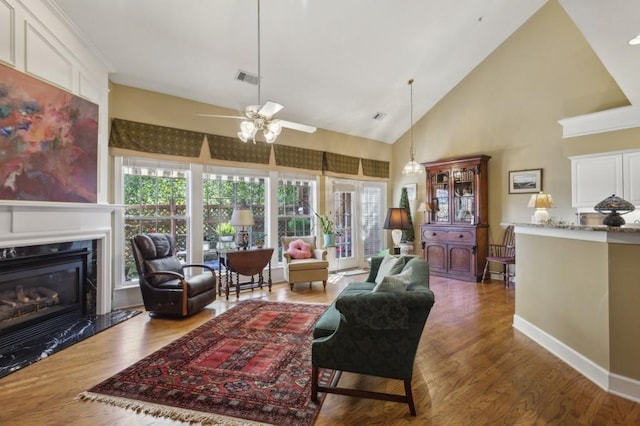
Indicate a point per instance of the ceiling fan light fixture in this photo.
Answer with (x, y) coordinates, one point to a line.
(275, 127)
(260, 117)
(247, 127)
(247, 131)
(412, 167)
(269, 136)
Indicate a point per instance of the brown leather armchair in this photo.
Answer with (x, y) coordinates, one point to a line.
(166, 291)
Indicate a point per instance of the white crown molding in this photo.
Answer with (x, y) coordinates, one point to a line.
(601, 122)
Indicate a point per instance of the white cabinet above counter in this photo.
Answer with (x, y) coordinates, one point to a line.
(595, 177)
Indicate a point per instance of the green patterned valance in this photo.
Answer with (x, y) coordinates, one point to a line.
(375, 168)
(233, 149)
(157, 139)
(339, 163)
(302, 158)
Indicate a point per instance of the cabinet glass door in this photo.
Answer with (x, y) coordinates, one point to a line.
(440, 184)
(463, 196)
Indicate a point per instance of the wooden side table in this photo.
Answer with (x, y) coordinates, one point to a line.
(244, 262)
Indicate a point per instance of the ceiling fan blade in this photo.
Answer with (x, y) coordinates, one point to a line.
(297, 126)
(221, 116)
(270, 109)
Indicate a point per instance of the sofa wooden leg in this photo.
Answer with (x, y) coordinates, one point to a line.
(324, 284)
(314, 383)
(291, 286)
(407, 391)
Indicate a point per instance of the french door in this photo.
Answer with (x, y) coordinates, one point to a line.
(358, 211)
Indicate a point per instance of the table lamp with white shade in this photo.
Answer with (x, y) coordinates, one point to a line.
(242, 217)
(426, 209)
(541, 202)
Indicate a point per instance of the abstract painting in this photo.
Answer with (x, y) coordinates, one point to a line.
(48, 142)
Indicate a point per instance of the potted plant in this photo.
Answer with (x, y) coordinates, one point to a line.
(408, 235)
(260, 238)
(225, 231)
(328, 231)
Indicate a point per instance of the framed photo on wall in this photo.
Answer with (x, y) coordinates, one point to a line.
(412, 188)
(525, 181)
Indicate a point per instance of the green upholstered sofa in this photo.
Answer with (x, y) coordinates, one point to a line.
(374, 333)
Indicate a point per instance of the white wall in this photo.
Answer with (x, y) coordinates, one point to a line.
(36, 40)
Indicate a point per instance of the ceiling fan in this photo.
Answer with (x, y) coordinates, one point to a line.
(260, 117)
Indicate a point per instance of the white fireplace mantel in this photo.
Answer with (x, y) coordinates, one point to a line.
(27, 224)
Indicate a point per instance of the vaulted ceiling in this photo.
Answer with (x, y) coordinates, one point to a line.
(333, 64)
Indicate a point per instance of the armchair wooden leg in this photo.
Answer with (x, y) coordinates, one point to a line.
(409, 393)
(505, 274)
(291, 286)
(314, 383)
(324, 284)
(484, 274)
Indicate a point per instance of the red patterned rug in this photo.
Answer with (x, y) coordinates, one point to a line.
(251, 362)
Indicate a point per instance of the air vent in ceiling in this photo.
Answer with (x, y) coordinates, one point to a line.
(247, 77)
(379, 116)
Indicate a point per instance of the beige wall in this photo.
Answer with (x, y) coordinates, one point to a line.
(155, 108)
(563, 290)
(585, 294)
(624, 300)
(509, 108)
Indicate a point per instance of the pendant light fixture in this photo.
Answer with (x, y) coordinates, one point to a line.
(412, 167)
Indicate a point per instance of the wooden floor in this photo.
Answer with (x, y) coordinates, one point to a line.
(472, 368)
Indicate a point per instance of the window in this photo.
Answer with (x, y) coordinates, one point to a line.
(295, 215)
(156, 201)
(358, 208)
(344, 216)
(221, 193)
(189, 200)
(372, 217)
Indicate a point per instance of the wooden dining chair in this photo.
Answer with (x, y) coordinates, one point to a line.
(504, 254)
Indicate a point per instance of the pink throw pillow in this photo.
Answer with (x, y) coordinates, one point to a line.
(298, 249)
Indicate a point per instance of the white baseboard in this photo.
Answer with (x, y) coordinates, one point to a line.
(127, 297)
(619, 385)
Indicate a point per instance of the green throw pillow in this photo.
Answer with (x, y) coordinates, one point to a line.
(398, 282)
(387, 267)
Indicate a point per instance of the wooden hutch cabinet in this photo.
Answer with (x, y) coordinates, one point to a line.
(455, 239)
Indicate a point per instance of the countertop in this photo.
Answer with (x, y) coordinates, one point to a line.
(595, 233)
(572, 227)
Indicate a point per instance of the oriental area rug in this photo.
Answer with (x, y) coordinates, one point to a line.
(252, 362)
